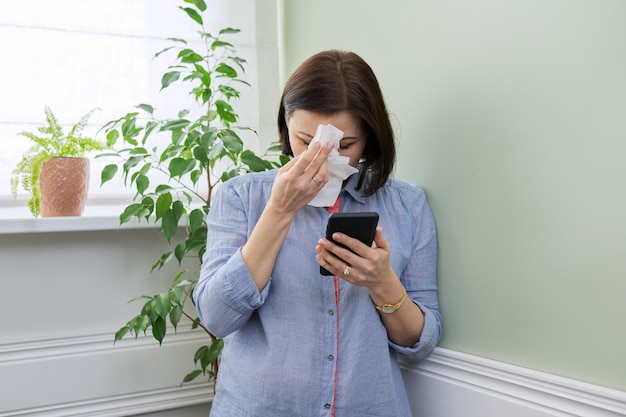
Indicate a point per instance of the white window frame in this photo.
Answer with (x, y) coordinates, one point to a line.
(74, 55)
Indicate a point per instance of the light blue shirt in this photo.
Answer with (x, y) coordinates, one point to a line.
(291, 350)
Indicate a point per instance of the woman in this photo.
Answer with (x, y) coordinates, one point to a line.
(297, 343)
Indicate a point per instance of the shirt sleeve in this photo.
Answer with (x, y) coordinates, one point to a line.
(225, 295)
(420, 276)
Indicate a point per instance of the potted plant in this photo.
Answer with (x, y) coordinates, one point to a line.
(54, 170)
(198, 154)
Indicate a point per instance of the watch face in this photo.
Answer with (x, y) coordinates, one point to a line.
(388, 309)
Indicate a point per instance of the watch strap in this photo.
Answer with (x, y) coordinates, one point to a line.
(390, 308)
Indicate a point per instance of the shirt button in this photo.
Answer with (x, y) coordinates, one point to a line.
(327, 406)
(331, 312)
(331, 357)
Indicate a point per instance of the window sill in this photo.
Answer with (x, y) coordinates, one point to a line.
(67, 224)
(94, 218)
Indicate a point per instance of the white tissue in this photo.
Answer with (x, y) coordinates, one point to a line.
(339, 167)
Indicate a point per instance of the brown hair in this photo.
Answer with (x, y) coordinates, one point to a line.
(334, 81)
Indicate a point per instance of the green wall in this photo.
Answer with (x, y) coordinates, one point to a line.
(512, 115)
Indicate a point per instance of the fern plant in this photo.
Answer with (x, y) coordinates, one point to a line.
(199, 153)
(50, 141)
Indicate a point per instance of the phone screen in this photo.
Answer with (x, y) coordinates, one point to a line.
(359, 225)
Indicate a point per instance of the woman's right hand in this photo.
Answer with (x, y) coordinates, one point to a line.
(298, 181)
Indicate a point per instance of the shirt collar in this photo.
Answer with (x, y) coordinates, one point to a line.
(350, 188)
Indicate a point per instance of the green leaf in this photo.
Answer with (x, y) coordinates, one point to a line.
(189, 56)
(192, 375)
(175, 293)
(229, 31)
(175, 315)
(179, 252)
(150, 126)
(192, 14)
(165, 258)
(226, 70)
(163, 203)
(162, 304)
(140, 324)
(138, 151)
(221, 44)
(168, 78)
(159, 329)
(226, 175)
(132, 162)
(200, 4)
(148, 204)
(201, 155)
(163, 188)
(195, 176)
(225, 111)
(121, 333)
(177, 136)
(146, 107)
(275, 147)
(142, 184)
(180, 166)
(213, 353)
(169, 224)
(128, 127)
(232, 142)
(196, 241)
(133, 210)
(178, 209)
(175, 124)
(111, 138)
(203, 75)
(169, 151)
(228, 91)
(200, 352)
(108, 172)
(196, 219)
(253, 162)
(208, 138)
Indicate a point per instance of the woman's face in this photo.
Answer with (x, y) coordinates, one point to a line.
(302, 126)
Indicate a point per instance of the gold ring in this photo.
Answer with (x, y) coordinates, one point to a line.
(347, 270)
(318, 183)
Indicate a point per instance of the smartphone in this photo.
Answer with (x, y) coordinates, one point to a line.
(359, 225)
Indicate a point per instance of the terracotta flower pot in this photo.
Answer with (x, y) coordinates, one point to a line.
(64, 183)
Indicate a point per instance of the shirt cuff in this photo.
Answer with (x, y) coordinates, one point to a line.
(428, 340)
(239, 290)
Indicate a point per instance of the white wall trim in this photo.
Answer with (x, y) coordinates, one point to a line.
(124, 405)
(446, 384)
(75, 362)
(478, 381)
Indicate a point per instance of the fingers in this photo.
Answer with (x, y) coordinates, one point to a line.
(339, 260)
(362, 265)
(380, 241)
(313, 162)
(301, 178)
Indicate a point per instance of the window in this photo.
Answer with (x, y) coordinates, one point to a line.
(74, 55)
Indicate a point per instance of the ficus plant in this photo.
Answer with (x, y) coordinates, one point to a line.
(193, 155)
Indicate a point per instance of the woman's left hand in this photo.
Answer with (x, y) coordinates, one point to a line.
(367, 266)
(370, 267)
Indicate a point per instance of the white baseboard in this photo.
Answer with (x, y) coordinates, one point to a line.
(89, 376)
(454, 384)
(123, 405)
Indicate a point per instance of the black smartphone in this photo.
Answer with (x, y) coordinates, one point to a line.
(359, 225)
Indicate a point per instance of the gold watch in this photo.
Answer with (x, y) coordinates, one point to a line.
(390, 308)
